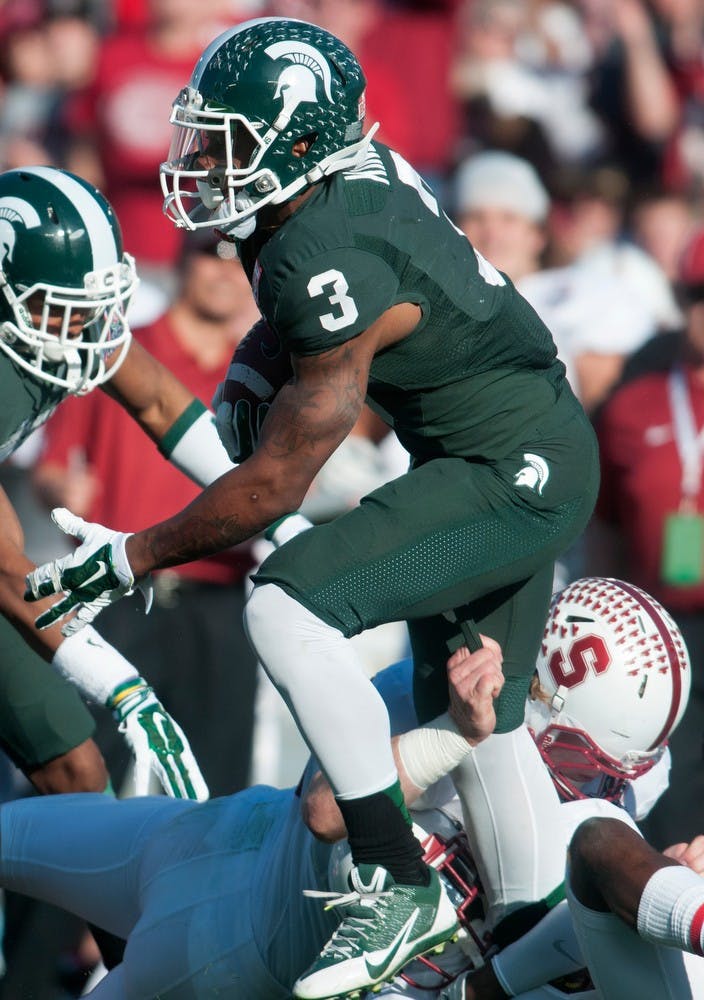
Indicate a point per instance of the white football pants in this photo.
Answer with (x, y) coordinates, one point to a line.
(625, 967)
(511, 814)
(320, 677)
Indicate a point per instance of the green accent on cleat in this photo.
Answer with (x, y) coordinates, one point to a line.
(384, 926)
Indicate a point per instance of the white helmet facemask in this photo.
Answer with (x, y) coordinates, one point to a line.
(45, 348)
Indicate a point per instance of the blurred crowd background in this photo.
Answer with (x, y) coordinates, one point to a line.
(608, 87)
(565, 137)
(603, 98)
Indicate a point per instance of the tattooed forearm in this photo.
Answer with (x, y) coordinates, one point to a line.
(189, 537)
(309, 418)
(321, 404)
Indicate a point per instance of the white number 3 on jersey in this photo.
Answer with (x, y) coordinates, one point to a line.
(345, 309)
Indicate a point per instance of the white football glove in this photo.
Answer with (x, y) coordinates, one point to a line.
(157, 742)
(95, 575)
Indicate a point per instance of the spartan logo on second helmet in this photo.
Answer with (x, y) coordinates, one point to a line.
(13, 211)
(298, 83)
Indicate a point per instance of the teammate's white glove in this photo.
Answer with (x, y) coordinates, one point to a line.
(238, 426)
(95, 575)
(157, 742)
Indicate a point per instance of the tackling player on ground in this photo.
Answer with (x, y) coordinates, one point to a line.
(614, 679)
(210, 896)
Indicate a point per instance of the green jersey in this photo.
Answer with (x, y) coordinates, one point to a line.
(480, 367)
(42, 716)
(25, 404)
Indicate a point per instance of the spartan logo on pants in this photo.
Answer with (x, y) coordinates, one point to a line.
(534, 475)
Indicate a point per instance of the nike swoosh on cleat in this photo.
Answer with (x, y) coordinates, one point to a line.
(377, 971)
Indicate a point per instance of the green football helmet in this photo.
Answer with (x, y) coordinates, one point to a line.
(61, 260)
(257, 89)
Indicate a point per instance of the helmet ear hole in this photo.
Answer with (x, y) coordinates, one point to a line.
(306, 141)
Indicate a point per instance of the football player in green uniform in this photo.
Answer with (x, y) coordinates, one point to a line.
(64, 287)
(371, 293)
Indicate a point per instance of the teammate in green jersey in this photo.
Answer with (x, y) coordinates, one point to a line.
(371, 293)
(64, 286)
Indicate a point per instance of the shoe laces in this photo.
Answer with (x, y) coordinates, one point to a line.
(348, 898)
(354, 926)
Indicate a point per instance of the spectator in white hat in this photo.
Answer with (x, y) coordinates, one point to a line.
(503, 207)
(600, 307)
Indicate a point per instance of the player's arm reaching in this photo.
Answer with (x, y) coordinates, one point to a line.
(184, 430)
(308, 419)
(428, 753)
(169, 413)
(103, 676)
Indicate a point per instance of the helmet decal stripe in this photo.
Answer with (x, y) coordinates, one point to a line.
(100, 232)
(674, 662)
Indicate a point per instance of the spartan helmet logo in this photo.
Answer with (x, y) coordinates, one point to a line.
(13, 211)
(298, 83)
(534, 475)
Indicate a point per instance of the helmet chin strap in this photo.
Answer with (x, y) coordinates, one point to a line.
(240, 230)
(212, 197)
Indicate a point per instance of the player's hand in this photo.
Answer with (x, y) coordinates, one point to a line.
(691, 855)
(94, 576)
(474, 681)
(157, 742)
(239, 426)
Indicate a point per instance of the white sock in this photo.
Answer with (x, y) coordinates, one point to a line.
(671, 909)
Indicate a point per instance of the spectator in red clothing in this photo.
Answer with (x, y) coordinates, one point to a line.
(406, 57)
(650, 518)
(121, 125)
(106, 468)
